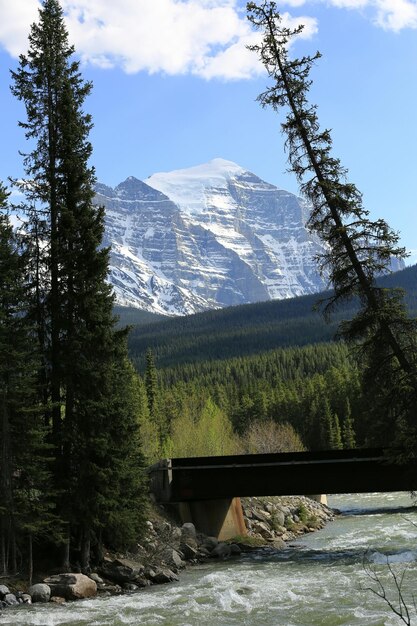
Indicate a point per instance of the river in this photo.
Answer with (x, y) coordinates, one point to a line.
(319, 580)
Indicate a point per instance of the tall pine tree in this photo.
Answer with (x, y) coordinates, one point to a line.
(74, 312)
(358, 249)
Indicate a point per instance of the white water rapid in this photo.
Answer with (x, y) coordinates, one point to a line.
(319, 580)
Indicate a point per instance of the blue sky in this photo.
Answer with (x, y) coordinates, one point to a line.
(174, 86)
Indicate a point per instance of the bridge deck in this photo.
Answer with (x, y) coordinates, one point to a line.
(335, 471)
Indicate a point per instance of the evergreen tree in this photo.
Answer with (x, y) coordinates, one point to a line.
(25, 485)
(348, 430)
(76, 330)
(358, 249)
(151, 381)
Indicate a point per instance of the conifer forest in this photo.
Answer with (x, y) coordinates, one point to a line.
(88, 402)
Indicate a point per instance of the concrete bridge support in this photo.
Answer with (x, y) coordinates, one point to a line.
(319, 497)
(216, 518)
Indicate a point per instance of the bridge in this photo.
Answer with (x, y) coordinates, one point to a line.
(207, 490)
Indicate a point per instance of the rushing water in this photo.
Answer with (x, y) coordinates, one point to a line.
(320, 580)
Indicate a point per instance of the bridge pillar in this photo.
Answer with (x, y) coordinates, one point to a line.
(216, 518)
(319, 497)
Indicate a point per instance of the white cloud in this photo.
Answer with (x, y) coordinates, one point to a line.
(396, 14)
(206, 38)
(15, 20)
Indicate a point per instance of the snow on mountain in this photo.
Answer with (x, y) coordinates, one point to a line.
(209, 236)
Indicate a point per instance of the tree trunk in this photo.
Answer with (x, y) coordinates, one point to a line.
(30, 559)
(3, 560)
(85, 550)
(66, 566)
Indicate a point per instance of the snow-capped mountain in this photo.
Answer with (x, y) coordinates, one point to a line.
(206, 237)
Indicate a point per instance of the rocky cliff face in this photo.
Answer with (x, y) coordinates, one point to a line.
(206, 237)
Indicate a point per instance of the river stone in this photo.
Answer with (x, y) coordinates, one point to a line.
(3, 591)
(10, 599)
(278, 518)
(163, 576)
(210, 543)
(173, 559)
(189, 552)
(72, 586)
(40, 592)
(189, 534)
(263, 529)
(221, 551)
(121, 570)
(57, 600)
(26, 598)
(94, 576)
(262, 516)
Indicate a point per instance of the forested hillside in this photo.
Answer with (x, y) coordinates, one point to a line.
(256, 378)
(249, 329)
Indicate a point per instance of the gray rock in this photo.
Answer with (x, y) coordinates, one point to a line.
(57, 600)
(72, 586)
(130, 587)
(173, 559)
(235, 549)
(26, 598)
(263, 529)
(121, 570)
(10, 599)
(190, 552)
(94, 576)
(210, 543)
(189, 534)
(278, 518)
(163, 576)
(40, 592)
(221, 551)
(3, 591)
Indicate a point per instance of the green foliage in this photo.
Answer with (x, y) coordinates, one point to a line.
(25, 476)
(208, 433)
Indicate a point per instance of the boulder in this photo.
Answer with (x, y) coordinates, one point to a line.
(172, 559)
(189, 534)
(278, 518)
(210, 543)
(121, 570)
(26, 598)
(10, 599)
(94, 576)
(40, 592)
(57, 600)
(190, 552)
(225, 550)
(72, 586)
(3, 591)
(263, 529)
(163, 576)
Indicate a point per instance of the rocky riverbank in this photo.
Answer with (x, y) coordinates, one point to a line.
(167, 548)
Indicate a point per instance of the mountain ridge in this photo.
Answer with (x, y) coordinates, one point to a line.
(207, 237)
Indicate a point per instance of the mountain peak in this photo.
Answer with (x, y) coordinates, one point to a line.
(186, 187)
(208, 236)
